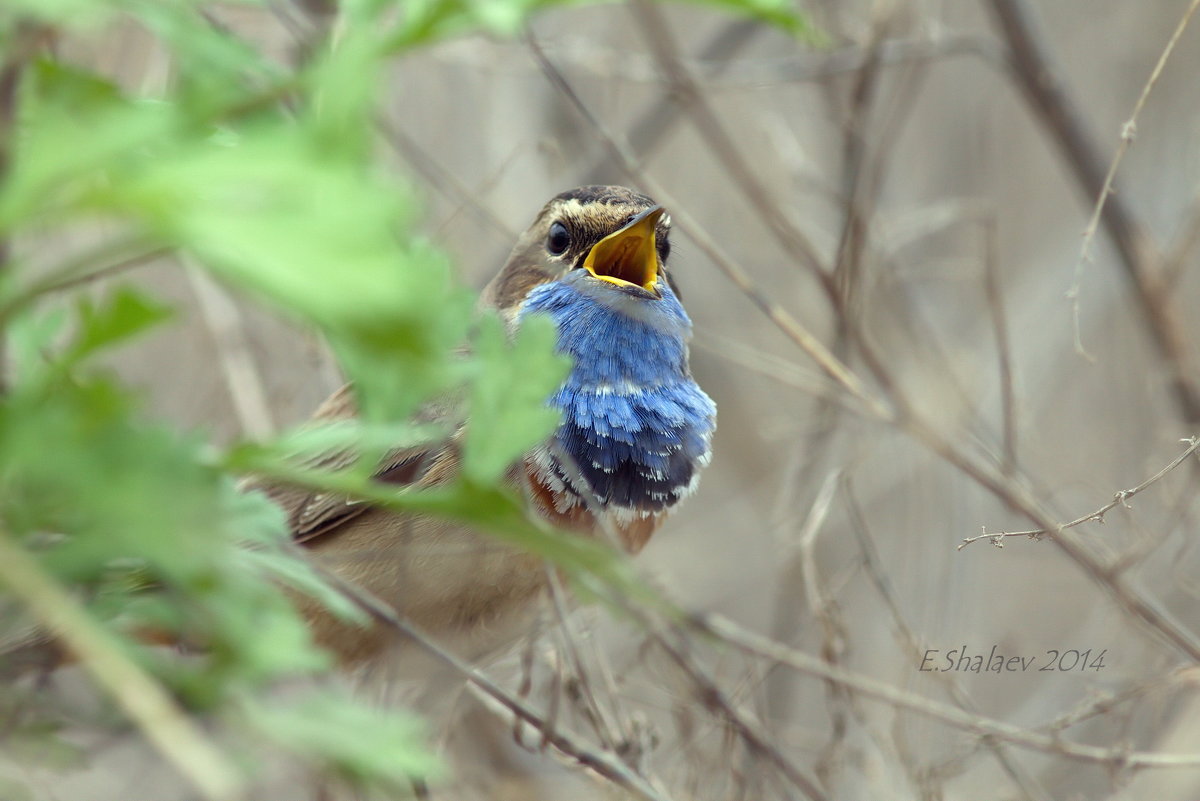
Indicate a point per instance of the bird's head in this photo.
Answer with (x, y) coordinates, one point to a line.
(609, 241)
(636, 428)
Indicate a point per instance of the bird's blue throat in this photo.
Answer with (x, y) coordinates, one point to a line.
(635, 424)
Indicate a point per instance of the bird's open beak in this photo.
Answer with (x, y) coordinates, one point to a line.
(628, 257)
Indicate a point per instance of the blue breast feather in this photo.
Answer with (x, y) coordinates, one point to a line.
(634, 422)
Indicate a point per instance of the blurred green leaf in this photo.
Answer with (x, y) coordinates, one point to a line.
(781, 14)
(13, 790)
(140, 516)
(345, 734)
(319, 238)
(59, 171)
(31, 337)
(427, 21)
(509, 413)
(39, 743)
(125, 314)
(74, 14)
(213, 69)
(344, 83)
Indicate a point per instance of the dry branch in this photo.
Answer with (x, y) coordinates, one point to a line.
(1128, 133)
(979, 725)
(1040, 80)
(1120, 498)
(147, 703)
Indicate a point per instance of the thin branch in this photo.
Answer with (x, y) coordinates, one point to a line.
(799, 584)
(750, 731)
(873, 564)
(1128, 133)
(995, 302)
(1039, 79)
(1121, 498)
(1183, 247)
(824, 609)
(565, 742)
(980, 725)
(441, 178)
(1105, 702)
(695, 102)
(662, 113)
(716, 68)
(243, 381)
(163, 722)
(593, 709)
(113, 257)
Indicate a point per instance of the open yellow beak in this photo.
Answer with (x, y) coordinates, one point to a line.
(628, 257)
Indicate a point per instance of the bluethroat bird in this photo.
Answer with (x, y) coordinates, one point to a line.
(635, 430)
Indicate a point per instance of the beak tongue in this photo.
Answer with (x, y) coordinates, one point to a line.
(628, 257)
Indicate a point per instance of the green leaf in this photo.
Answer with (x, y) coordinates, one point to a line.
(126, 314)
(317, 237)
(781, 14)
(345, 82)
(75, 14)
(428, 21)
(13, 790)
(59, 171)
(31, 336)
(357, 740)
(39, 744)
(213, 68)
(142, 521)
(509, 413)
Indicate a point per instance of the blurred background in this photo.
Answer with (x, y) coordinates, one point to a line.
(937, 163)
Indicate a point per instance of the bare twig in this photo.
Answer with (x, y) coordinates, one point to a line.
(824, 609)
(995, 302)
(1039, 79)
(715, 66)
(799, 574)
(593, 709)
(662, 113)
(242, 379)
(1104, 702)
(568, 744)
(696, 104)
(160, 719)
(441, 178)
(1128, 133)
(1184, 245)
(103, 261)
(1113, 758)
(883, 586)
(1119, 499)
(750, 731)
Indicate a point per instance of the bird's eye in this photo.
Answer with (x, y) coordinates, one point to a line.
(559, 239)
(664, 249)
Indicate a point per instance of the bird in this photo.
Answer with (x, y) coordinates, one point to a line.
(635, 433)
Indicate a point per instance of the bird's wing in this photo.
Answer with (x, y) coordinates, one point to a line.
(310, 513)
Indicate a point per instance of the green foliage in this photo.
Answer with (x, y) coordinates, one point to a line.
(267, 178)
(384, 746)
(508, 412)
